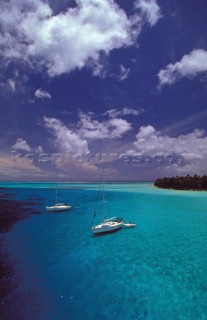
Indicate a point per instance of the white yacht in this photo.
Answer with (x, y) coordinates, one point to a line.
(108, 225)
(57, 206)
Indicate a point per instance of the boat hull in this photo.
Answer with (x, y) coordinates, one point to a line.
(58, 208)
(106, 227)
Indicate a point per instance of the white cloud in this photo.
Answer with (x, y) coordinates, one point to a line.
(124, 72)
(21, 145)
(98, 69)
(110, 129)
(149, 10)
(191, 146)
(190, 65)
(12, 84)
(42, 94)
(119, 127)
(101, 69)
(132, 111)
(39, 149)
(66, 139)
(92, 129)
(12, 81)
(30, 31)
(113, 113)
(145, 132)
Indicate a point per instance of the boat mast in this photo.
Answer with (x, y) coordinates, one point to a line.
(97, 197)
(56, 187)
(103, 201)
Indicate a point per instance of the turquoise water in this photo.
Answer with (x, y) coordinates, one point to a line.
(155, 271)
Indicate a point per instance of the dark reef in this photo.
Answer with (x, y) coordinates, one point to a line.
(183, 183)
(11, 211)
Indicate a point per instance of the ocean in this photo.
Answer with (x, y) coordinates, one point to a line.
(57, 270)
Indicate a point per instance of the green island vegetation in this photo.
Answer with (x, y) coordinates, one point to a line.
(183, 183)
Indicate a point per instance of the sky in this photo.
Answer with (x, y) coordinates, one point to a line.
(88, 84)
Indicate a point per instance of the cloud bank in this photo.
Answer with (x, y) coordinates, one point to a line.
(191, 146)
(189, 66)
(19, 168)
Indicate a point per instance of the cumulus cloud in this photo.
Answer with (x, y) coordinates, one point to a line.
(189, 66)
(191, 146)
(76, 140)
(42, 94)
(30, 31)
(150, 11)
(113, 113)
(21, 145)
(66, 140)
(109, 129)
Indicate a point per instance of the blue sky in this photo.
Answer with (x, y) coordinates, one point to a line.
(89, 83)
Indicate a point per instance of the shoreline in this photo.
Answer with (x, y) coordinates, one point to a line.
(173, 189)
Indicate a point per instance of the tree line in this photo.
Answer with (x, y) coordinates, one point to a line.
(183, 182)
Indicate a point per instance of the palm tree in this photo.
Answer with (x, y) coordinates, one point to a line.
(183, 182)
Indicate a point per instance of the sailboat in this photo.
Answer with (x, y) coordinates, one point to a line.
(57, 206)
(107, 225)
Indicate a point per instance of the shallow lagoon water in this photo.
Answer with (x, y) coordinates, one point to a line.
(155, 271)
